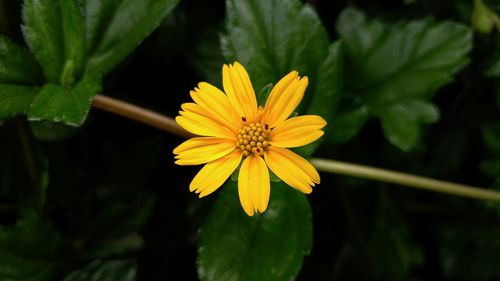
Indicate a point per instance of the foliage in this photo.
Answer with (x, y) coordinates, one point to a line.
(417, 58)
(255, 247)
(407, 85)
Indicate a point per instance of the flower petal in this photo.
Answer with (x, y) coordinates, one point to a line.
(298, 131)
(284, 99)
(239, 90)
(199, 121)
(217, 104)
(214, 174)
(294, 170)
(201, 150)
(279, 88)
(254, 186)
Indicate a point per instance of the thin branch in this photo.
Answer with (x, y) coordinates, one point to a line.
(324, 165)
(349, 169)
(140, 114)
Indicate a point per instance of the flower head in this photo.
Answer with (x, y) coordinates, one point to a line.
(233, 127)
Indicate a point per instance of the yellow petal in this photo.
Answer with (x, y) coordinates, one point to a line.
(263, 184)
(197, 120)
(214, 174)
(198, 142)
(217, 104)
(244, 187)
(284, 99)
(297, 139)
(239, 90)
(201, 150)
(253, 185)
(294, 170)
(279, 88)
(298, 131)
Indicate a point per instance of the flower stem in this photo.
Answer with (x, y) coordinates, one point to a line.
(168, 124)
(337, 167)
(139, 114)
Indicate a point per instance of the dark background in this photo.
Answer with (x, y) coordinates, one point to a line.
(113, 177)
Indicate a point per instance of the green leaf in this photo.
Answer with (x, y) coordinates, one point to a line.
(401, 122)
(30, 251)
(470, 251)
(57, 104)
(269, 47)
(113, 270)
(116, 247)
(15, 99)
(208, 55)
(116, 230)
(393, 65)
(270, 246)
(116, 28)
(17, 65)
(55, 33)
(346, 124)
(491, 138)
(392, 250)
(49, 131)
(328, 90)
(493, 69)
(18, 69)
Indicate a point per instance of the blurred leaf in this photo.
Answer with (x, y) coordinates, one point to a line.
(115, 28)
(269, 47)
(32, 250)
(270, 246)
(55, 33)
(121, 203)
(484, 19)
(491, 136)
(121, 246)
(209, 59)
(493, 69)
(116, 230)
(404, 118)
(17, 65)
(49, 131)
(125, 218)
(57, 104)
(112, 270)
(346, 124)
(470, 252)
(15, 99)
(396, 68)
(393, 252)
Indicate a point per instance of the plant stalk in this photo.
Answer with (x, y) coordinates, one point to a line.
(168, 124)
(349, 169)
(139, 114)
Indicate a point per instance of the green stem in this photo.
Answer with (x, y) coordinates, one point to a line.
(337, 167)
(167, 124)
(32, 165)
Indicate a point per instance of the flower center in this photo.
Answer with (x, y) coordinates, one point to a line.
(253, 139)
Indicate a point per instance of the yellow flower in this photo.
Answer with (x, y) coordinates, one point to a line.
(233, 127)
